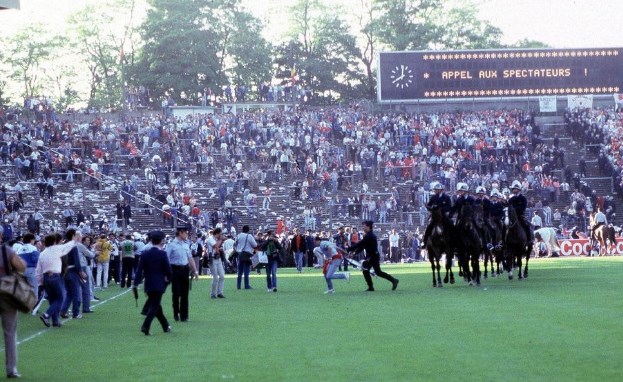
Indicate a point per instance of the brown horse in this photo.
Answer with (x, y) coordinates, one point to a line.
(605, 237)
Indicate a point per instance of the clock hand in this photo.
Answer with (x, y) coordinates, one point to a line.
(398, 79)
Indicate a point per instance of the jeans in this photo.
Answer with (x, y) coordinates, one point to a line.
(331, 275)
(54, 287)
(31, 275)
(218, 276)
(74, 293)
(298, 258)
(271, 274)
(243, 268)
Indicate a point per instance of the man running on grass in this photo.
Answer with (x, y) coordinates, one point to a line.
(333, 259)
(370, 245)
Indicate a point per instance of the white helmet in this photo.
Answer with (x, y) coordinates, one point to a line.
(506, 191)
(481, 190)
(436, 186)
(495, 193)
(516, 185)
(462, 187)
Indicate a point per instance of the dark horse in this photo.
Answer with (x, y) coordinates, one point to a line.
(437, 244)
(516, 245)
(485, 237)
(470, 244)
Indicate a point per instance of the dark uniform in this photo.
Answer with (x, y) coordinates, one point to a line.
(442, 201)
(155, 268)
(487, 232)
(520, 203)
(459, 203)
(496, 213)
(372, 260)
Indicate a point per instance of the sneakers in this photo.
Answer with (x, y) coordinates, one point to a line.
(347, 274)
(213, 296)
(77, 317)
(330, 291)
(45, 319)
(221, 295)
(270, 290)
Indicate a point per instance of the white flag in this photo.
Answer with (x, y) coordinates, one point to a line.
(547, 104)
(580, 101)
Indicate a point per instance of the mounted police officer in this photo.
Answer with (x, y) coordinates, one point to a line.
(462, 198)
(441, 200)
(496, 213)
(520, 203)
(486, 232)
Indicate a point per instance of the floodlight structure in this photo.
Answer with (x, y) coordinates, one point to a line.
(9, 4)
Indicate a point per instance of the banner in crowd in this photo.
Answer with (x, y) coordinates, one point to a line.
(582, 247)
(618, 98)
(547, 104)
(580, 101)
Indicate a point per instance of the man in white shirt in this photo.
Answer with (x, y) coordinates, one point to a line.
(48, 273)
(394, 249)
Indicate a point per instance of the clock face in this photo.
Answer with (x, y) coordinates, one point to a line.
(402, 76)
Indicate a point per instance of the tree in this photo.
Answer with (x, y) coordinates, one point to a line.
(406, 24)
(99, 34)
(28, 52)
(194, 44)
(460, 28)
(321, 51)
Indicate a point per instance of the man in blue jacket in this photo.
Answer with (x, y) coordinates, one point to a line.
(155, 268)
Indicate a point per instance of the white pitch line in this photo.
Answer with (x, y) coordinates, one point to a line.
(47, 329)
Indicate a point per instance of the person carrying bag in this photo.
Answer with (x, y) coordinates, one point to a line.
(16, 294)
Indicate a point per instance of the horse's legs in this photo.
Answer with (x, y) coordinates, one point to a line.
(439, 284)
(487, 258)
(476, 269)
(519, 270)
(432, 266)
(525, 273)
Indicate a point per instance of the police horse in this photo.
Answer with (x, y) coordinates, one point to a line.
(438, 243)
(516, 245)
(486, 236)
(470, 244)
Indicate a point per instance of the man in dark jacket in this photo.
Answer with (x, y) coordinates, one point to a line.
(372, 260)
(298, 246)
(154, 266)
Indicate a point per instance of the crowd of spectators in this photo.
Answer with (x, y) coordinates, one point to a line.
(360, 165)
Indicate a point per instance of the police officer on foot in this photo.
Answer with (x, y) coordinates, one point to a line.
(182, 265)
(155, 268)
(372, 260)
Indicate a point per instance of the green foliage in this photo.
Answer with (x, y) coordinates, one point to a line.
(29, 52)
(193, 44)
(99, 33)
(460, 28)
(406, 24)
(526, 43)
(562, 324)
(322, 51)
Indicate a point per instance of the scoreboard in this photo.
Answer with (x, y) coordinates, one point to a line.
(430, 75)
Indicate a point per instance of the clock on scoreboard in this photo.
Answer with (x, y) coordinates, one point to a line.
(430, 75)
